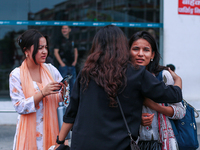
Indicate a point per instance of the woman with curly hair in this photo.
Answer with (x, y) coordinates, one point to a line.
(93, 111)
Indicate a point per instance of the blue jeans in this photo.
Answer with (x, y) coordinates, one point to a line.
(66, 70)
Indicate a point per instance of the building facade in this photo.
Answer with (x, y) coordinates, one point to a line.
(176, 28)
(85, 18)
(177, 33)
(181, 38)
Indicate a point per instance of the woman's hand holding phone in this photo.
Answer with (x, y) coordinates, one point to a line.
(51, 88)
(62, 82)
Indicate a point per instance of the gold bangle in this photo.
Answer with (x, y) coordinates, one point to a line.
(42, 93)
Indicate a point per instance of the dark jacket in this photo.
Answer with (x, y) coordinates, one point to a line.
(98, 126)
(66, 49)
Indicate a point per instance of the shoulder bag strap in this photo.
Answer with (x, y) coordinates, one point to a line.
(129, 132)
(185, 103)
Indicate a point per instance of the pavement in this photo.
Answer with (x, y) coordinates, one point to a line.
(8, 119)
(7, 133)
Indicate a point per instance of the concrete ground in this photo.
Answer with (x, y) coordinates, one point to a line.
(8, 119)
(7, 133)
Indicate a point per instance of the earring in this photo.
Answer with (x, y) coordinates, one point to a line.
(26, 55)
(151, 59)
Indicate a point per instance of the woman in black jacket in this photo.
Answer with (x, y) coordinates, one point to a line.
(93, 111)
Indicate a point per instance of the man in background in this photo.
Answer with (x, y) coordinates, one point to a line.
(66, 54)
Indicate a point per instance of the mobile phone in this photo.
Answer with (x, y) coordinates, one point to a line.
(66, 78)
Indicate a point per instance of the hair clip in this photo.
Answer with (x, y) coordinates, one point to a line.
(19, 40)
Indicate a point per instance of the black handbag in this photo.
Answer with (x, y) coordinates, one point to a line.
(150, 145)
(133, 144)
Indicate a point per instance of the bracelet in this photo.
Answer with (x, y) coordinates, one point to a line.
(42, 93)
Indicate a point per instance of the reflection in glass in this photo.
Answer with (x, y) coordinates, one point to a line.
(141, 11)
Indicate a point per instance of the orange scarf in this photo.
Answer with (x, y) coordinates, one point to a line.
(26, 134)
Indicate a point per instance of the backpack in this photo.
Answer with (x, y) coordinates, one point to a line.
(185, 129)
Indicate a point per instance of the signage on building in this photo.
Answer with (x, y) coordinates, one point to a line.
(189, 7)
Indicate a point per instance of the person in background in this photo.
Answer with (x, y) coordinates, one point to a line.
(66, 54)
(155, 122)
(34, 94)
(152, 32)
(172, 67)
(93, 111)
(49, 60)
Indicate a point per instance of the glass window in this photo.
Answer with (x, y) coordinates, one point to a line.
(18, 16)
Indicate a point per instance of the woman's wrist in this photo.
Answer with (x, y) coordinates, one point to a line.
(42, 93)
(178, 82)
(59, 141)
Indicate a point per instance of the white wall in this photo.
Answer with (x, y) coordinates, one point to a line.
(181, 47)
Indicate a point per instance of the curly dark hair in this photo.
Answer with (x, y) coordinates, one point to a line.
(153, 66)
(107, 61)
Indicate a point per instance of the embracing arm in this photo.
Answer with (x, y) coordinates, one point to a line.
(158, 91)
(166, 110)
(179, 110)
(177, 79)
(175, 110)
